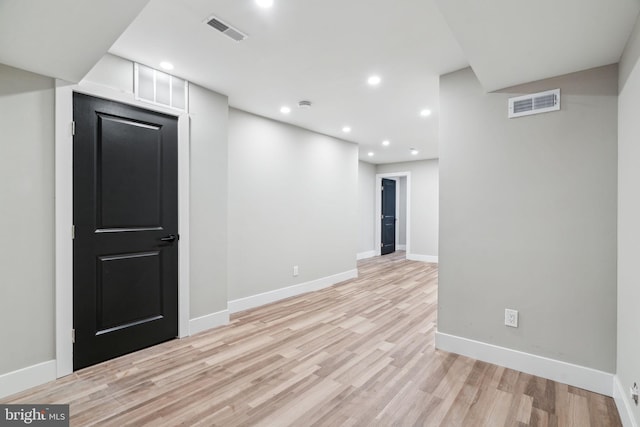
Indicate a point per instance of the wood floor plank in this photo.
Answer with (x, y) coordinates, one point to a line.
(360, 353)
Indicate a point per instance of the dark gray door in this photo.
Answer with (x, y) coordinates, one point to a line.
(125, 212)
(388, 216)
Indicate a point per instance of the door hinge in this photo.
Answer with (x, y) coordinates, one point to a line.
(73, 128)
(73, 336)
(73, 232)
(381, 245)
(382, 216)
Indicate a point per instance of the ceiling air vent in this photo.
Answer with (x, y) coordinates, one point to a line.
(534, 103)
(226, 29)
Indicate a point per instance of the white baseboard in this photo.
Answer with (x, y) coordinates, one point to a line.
(423, 258)
(209, 321)
(401, 247)
(621, 397)
(25, 378)
(365, 255)
(563, 372)
(290, 291)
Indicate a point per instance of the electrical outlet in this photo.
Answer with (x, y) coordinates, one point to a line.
(295, 270)
(511, 317)
(634, 393)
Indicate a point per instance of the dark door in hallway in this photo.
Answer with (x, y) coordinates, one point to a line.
(388, 217)
(125, 213)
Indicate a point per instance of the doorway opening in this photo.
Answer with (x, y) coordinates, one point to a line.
(402, 215)
(125, 242)
(64, 212)
(389, 216)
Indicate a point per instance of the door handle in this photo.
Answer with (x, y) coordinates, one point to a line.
(170, 238)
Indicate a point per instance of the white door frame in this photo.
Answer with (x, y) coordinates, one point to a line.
(378, 208)
(64, 211)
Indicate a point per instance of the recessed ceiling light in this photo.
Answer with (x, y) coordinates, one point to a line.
(346, 129)
(386, 142)
(285, 110)
(370, 153)
(374, 80)
(165, 65)
(425, 113)
(414, 152)
(264, 3)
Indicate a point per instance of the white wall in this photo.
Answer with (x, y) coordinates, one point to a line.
(424, 205)
(628, 366)
(208, 112)
(27, 301)
(528, 218)
(112, 72)
(402, 210)
(293, 200)
(366, 208)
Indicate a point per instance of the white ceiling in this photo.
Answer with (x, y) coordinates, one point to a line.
(316, 50)
(61, 38)
(324, 50)
(510, 42)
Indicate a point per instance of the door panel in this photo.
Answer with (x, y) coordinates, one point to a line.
(388, 217)
(125, 202)
(128, 290)
(125, 286)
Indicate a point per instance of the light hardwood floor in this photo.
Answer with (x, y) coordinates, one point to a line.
(360, 353)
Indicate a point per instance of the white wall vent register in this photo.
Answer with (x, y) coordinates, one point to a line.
(226, 29)
(160, 88)
(534, 103)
